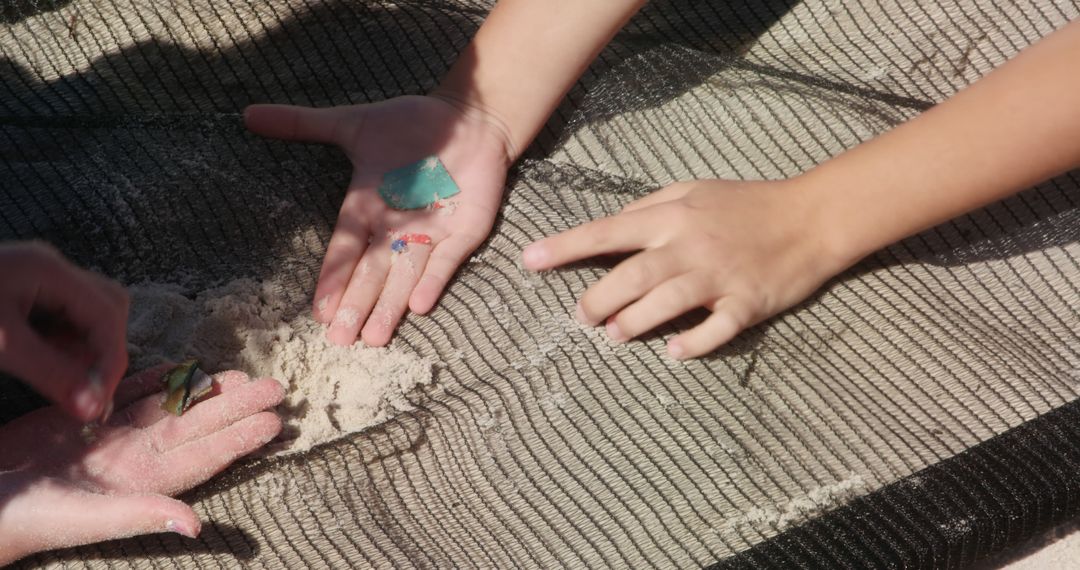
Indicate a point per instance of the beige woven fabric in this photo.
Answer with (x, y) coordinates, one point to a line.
(539, 444)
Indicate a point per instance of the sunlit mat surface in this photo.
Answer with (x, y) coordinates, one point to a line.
(860, 429)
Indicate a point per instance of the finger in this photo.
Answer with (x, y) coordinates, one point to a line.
(140, 385)
(84, 300)
(93, 308)
(666, 194)
(346, 248)
(665, 302)
(116, 292)
(394, 299)
(217, 413)
(729, 318)
(295, 123)
(113, 361)
(619, 233)
(445, 260)
(148, 411)
(51, 514)
(629, 281)
(365, 286)
(195, 462)
(49, 371)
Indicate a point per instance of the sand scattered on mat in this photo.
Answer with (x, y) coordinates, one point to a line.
(802, 508)
(331, 391)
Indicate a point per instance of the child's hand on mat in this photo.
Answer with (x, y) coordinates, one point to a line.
(62, 329)
(743, 250)
(368, 280)
(63, 484)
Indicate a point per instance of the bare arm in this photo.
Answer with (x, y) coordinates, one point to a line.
(1016, 127)
(526, 57)
(477, 122)
(748, 255)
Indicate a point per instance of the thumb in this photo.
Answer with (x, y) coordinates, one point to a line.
(50, 515)
(49, 371)
(289, 122)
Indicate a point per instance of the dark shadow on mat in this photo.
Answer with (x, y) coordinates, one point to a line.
(718, 31)
(961, 512)
(124, 163)
(1046, 216)
(16, 398)
(215, 538)
(14, 11)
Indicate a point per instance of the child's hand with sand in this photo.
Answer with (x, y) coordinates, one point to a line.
(381, 260)
(62, 329)
(487, 109)
(747, 251)
(64, 484)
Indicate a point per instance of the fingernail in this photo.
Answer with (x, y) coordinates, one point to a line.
(579, 314)
(676, 350)
(93, 376)
(107, 412)
(534, 255)
(88, 400)
(173, 526)
(613, 331)
(97, 383)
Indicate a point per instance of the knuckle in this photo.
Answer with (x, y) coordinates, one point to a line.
(589, 305)
(605, 232)
(115, 293)
(678, 213)
(125, 299)
(702, 250)
(599, 234)
(346, 243)
(681, 187)
(364, 276)
(107, 316)
(637, 276)
(36, 257)
(440, 270)
(688, 290)
(745, 308)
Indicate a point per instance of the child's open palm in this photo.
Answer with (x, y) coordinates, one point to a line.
(364, 287)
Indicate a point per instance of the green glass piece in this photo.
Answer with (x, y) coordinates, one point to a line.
(184, 385)
(176, 383)
(417, 185)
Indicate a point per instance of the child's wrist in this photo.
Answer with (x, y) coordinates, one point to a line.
(478, 111)
(837, 242)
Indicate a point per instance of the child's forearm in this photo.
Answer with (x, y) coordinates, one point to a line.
(1018, 126)
(526, 56)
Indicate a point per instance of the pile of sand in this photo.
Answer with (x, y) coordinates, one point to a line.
(331, 391)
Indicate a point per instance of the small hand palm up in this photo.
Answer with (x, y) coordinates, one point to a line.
(63, 484)
(738, 249)
(364, 288)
